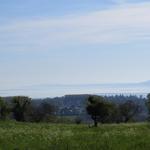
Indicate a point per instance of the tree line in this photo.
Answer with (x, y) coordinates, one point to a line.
(104, 111)
(22, 109)
(100, 109)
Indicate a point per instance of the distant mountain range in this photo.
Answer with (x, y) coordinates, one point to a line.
(53, 90)
(145, 83)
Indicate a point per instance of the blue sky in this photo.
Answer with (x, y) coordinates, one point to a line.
(73, 42)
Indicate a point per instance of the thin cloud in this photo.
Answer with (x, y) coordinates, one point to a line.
(118, 25)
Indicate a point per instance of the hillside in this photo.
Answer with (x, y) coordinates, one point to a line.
(74, 105)
(27, 136)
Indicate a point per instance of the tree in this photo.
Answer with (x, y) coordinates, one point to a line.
(4, 109)
(20, 107)
(129, 110)
(148, 105)
(99, 109)
(43, 112)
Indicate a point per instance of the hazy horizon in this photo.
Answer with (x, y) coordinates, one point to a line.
(73, 42)
(58, 90)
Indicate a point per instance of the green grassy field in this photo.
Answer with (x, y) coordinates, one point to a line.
(27, 136)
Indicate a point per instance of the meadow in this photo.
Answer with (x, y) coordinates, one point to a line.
(44, 136)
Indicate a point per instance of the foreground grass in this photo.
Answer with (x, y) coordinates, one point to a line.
(27, 136)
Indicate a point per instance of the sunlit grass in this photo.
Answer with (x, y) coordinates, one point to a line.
(32, 136)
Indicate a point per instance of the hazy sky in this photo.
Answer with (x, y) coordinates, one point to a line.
(74, 41)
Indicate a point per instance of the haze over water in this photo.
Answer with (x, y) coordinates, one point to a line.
(42, 91)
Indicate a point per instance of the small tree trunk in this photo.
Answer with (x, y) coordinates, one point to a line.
(95, 123)
(126, 120)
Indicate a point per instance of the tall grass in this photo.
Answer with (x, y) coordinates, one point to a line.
(32, 136)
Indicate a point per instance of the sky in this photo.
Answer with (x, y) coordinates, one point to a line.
(74, 42)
